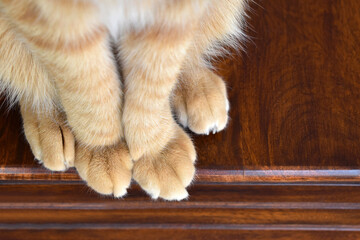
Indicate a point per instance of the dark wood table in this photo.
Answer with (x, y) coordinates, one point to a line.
(287, 166)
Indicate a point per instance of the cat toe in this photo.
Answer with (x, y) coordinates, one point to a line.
(57, 146)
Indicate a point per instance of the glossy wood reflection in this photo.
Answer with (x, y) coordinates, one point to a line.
(287, 166)
(295, 95)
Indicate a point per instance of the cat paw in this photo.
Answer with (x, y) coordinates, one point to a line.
(168, 173)
(106, 170)
(51, 141)
(200, 101)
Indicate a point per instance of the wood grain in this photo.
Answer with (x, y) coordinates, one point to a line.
(287, 166)
(295, 97)
(295, 92)
(212, 212)
(177, 234)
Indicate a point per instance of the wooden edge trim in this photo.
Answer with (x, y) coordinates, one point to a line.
(282, 174)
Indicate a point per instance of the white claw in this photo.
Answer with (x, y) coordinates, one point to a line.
(214, 130)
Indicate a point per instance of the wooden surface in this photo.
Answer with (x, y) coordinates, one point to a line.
(295, 101)
(45, 211)
(287, 166)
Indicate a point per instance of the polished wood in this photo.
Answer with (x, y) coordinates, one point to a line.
(175, 234)
(286, 167)
(295, 97)
(296, 92)
(212, 212)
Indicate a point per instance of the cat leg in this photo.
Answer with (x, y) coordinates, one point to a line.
(75, 50)
(50, 139)
(200, 99)
(88, 87)
(164, 154)
(21, 75)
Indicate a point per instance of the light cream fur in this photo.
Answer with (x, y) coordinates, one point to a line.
(57, 59)
(51, 141)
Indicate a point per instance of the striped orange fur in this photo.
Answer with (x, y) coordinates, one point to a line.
(60, 60)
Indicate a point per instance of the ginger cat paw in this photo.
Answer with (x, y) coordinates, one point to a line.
(51, 141)
(106, 170)
(168, 173)
(200, 101)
